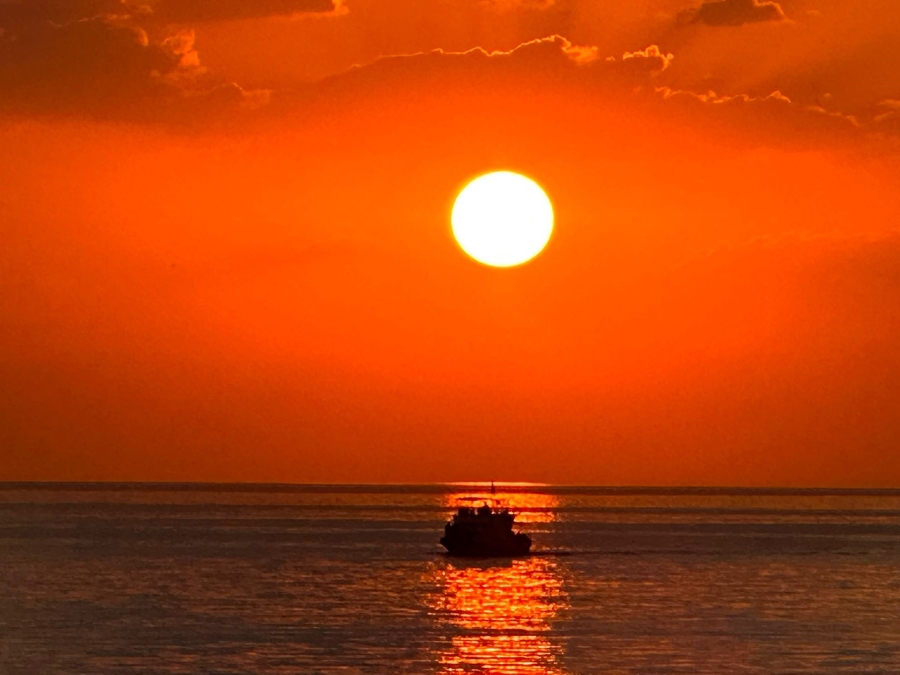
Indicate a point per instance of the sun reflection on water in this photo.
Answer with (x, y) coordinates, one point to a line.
(501, 616)
(529, 507)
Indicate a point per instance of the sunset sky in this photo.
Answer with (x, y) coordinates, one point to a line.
(226, 248)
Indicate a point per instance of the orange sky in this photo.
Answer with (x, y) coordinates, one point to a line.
(227, 255)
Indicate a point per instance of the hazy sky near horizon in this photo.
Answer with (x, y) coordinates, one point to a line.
(226, 252)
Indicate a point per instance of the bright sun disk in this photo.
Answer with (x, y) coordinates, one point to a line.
(502, 219)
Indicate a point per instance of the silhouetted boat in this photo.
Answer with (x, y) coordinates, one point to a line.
(484, 532)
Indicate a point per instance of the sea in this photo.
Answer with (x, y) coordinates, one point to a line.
(351, 580)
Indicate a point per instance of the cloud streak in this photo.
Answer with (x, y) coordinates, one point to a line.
(108, 66)
(636, 78)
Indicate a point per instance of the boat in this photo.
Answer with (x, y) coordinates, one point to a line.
(485, 532)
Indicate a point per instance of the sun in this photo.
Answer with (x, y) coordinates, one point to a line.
(502, 219)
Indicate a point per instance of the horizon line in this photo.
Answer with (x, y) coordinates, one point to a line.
(518, 486)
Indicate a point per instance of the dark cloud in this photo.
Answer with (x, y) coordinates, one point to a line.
(510, 5)
(91, 64)
(199, 11)
(734, 12)
(15, 16)
(160, 11)
(109, 66)
(98, 58)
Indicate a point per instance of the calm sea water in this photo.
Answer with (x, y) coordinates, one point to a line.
(349, 580)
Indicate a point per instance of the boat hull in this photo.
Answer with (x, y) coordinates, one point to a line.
(514, 546)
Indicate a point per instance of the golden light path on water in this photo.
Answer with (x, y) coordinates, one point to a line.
(501, 611)
(529, 507)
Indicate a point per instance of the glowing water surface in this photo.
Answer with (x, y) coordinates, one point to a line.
(349, 580)
(503, 611)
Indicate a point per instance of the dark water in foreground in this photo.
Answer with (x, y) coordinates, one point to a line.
(346, 580)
